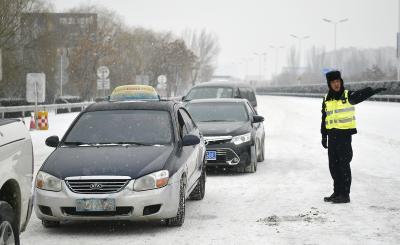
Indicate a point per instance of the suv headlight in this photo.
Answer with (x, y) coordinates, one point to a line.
(47, 182)
(152, 181)
(240, 139)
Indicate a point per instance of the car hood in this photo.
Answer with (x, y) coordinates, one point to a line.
(132, 161)
(223, 128)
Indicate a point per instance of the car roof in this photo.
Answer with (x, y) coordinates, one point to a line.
(223, 84)
(164, 105)
(219, 100)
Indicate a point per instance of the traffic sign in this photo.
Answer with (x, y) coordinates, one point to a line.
(103, 84)
(35, 87)
(103, 72)
(162, 82)
(162, 79)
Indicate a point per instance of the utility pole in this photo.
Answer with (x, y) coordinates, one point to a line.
(260, 64)
(300, 40)
(276, 56)
(61, 71)
(335, 23)
(398, 51)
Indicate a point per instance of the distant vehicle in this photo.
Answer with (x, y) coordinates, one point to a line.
(134, 92)
(123, 161)
(16, 173)
(211, 90)
(233, 130)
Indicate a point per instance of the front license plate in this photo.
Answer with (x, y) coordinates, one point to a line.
(85, 205)
(211, 155)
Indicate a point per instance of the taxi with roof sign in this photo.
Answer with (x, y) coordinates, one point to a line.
(134, 92)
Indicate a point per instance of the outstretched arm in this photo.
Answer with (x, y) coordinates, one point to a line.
(359, 96)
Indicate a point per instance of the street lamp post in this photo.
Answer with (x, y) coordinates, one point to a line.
(398, 56)
(300, 40)
(276, 56)
(260, 55)
(335, 23)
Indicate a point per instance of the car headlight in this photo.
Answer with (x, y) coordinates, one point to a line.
(152, 181)
(47, 182)
(240, 139)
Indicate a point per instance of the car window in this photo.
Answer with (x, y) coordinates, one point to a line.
(252, 96)
(183, 128)
(209, 93)
(250, 109)
(188, 120)
(244, 93)
(122, 126)
(218, 112)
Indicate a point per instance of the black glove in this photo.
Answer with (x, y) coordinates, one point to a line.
(324, 142)
(378, 90)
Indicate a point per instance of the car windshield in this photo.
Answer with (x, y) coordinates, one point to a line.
(218, 112)
(209, 93)
(147, 127)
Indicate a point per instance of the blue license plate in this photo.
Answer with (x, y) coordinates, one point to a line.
(211, 155)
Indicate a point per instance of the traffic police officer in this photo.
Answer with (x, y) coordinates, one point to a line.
(337, 127)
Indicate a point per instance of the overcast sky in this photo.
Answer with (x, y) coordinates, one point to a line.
(248, 26)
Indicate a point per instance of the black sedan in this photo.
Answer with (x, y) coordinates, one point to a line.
(123, 161)
(233, 131)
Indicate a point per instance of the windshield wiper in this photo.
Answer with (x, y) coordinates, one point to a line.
(74, 143)
(131, 143)
(216, 121)
(77, 143)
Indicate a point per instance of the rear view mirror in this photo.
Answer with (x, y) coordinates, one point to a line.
(52, 141)
(190, 140)
(258, 119)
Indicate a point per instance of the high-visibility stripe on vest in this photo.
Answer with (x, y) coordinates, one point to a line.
(340, 114)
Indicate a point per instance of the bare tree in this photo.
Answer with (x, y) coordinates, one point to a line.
(205, 46)
(10, 19)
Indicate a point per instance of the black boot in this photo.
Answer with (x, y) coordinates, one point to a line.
(329, 199)
(341, 199)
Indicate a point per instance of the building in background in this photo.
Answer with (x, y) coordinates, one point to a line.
(47, 40)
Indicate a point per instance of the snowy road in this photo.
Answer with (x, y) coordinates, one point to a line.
(282, 202)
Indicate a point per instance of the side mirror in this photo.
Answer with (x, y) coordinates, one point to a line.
(52, 141)
(190, 140)
(183, 98)
(258, 119)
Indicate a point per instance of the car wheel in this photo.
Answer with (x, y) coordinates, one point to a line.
(180, 216)
(9, 232)
(200, 190)
(50, 223)
(260, 156)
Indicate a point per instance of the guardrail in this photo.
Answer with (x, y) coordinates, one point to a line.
(29, 108)
(387, 98)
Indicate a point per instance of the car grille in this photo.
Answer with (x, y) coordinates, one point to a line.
(120, 211)
(214, 140)
(223, 155)
(97, 186)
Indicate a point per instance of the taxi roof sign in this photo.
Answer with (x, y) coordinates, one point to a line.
(134, 92)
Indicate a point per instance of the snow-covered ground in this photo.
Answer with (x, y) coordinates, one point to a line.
(282, 202)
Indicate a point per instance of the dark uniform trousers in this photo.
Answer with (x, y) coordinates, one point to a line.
(340, 154)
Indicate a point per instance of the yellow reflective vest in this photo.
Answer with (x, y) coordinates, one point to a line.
(340, 114)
